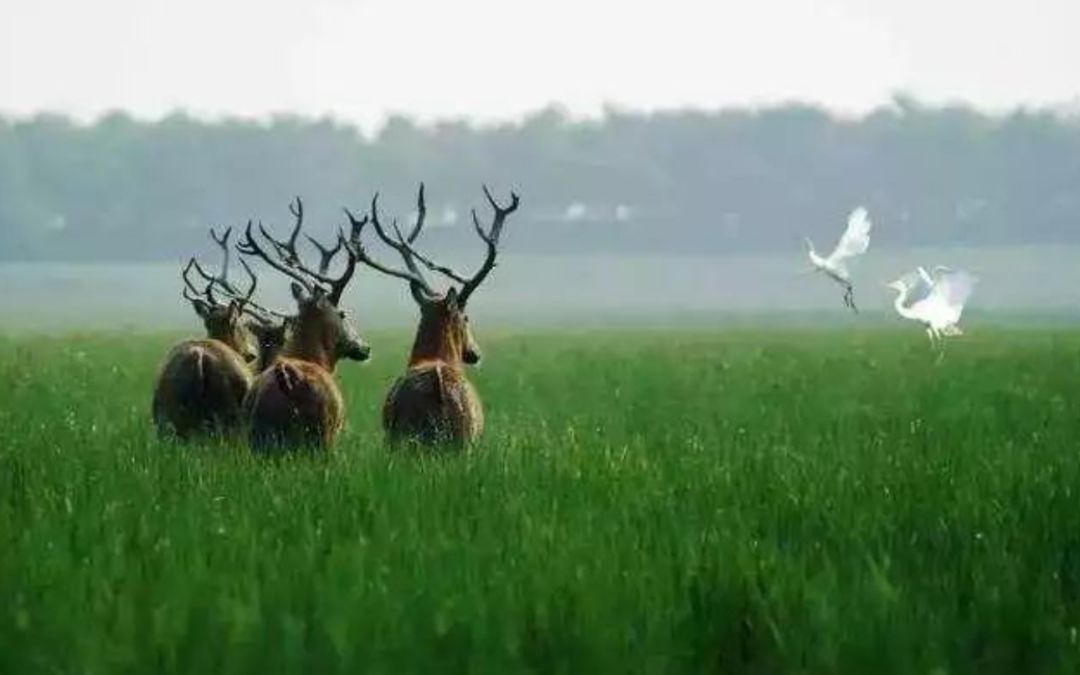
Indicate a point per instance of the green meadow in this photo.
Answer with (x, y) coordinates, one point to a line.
(781, 501)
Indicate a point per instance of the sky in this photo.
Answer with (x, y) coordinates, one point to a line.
(486, 60)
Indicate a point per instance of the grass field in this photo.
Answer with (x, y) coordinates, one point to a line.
(814, 502)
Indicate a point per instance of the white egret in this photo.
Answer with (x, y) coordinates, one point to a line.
(934, 299)
(854, 241)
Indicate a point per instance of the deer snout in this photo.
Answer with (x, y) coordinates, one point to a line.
(359, 352)
(471, 357)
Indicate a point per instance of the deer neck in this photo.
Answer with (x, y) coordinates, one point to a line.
(266, 357)
(310, 344)
(224, 336)
(435, 342)
(228, 341)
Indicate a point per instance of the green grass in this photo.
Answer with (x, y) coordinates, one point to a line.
(814, 502)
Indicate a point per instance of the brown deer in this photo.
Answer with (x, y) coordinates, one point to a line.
(434, 403)
(295, 402)
(270, 337)
(269, 327)
(202, 383)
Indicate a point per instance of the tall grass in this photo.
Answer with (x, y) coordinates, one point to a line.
(732, 502)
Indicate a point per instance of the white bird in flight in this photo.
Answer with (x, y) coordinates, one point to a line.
(934, 299)
(854, 241)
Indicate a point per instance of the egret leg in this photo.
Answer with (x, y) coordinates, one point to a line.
(941, 346)
(849, 298)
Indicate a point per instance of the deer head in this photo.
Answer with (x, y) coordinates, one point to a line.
(444, 330)
(271, 337)
(229, 314)
(321, 331)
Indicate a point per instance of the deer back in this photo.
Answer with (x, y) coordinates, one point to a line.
(200, 388)
(293, 404)
(433, 403)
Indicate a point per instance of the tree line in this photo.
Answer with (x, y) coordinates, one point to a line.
(732, 180)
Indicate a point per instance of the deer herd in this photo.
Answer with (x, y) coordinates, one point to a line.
(268, 376)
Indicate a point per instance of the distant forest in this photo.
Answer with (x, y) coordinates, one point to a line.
(685, 182)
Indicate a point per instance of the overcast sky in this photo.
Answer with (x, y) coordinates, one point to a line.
(495, 59)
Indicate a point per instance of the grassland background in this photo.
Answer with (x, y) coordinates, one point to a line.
(643, 501)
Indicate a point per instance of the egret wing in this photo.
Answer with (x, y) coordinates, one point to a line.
(919, 284)
(856, 238)
(951, 291)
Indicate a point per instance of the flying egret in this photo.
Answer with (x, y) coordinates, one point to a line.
(934, 299)
(854, 241)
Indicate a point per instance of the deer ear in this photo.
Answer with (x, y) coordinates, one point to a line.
(452, 299)
(298, 292)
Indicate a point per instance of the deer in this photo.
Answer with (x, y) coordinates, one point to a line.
(270, 327)
(202, 382)
(295, 403)
(433, 403)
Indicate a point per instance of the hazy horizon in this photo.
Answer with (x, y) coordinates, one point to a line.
(583, 290)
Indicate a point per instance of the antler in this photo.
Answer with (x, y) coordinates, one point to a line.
(286, 260)
(421, 215)
(223, 243)
(490, 238)
(224, 286)
(326, 254)
(409, 251)
(400, 243)
(286, 249)
(222, 279)
(221, 282)
(418, 285)
(190, 292)
(404, 246)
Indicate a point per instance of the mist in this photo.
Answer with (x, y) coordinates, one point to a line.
(1017, 285)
